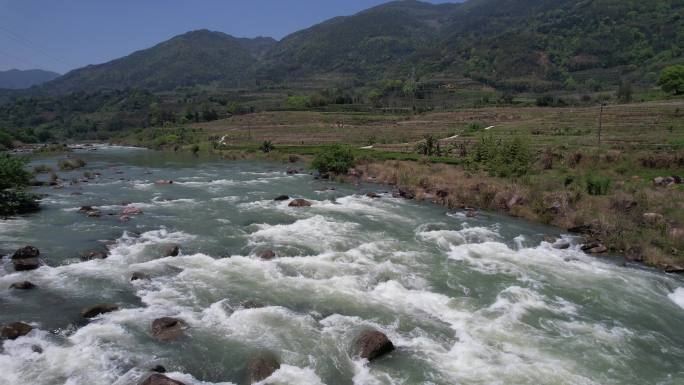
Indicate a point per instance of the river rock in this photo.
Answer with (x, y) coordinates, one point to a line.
(131, 210)
(158, 369)
(167, 328)
(300, 203)
(160, 379)
(163, 182)
(561, 244)
(15, 330)
(171, 251)
(26, 253)
(281, 198)
(471, 213)
(372, 344)
(94, 311)
(251, 304)
(594, 248)
(373, 195)
(267, 255)
(261, 368)
(401, 193)
(442, 194)
(26, 264)
(25, 285)
(137, 275)
(292, 171)
(95, 255)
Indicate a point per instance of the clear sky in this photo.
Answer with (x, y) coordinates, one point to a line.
(61, 35)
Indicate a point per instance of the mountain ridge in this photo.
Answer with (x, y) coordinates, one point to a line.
(22, 79)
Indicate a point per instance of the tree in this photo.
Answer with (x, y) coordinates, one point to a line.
(267, 146)
(672, 80)
(335, 159)
(13, 180)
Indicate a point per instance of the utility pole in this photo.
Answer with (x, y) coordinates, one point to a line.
(600, 127)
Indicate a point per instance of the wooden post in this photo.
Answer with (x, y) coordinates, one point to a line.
(600, 127)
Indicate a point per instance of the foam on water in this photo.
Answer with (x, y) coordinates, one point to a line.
(464, 301)
(677, 297)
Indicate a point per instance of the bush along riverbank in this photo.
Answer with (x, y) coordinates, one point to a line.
(14, 180)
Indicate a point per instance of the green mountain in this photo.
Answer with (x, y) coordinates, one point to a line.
(519, 45)
(20, 79)
(195, 58)
(367, 44)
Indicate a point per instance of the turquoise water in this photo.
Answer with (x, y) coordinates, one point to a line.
(465, 300)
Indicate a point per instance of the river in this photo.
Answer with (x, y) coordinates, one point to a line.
(464, 300)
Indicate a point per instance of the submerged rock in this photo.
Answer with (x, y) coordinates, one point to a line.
(26, 285)
(561, 244)
(281, 198)
(26, 253)
(131, 210)
(158, 369)
(251, 304)
(94, 311)
(401, 193)
(137, 275)
(160, 379)
(260, 368)
(167, 328)
(373, 195)
(95, 255)
(15, 330)
(267, 255)
(26, 264)
(372, 344)
(300, 203)
(171, 251)
(163, 182)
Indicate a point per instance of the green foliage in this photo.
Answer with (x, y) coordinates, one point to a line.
(267, 146)
(5, 140)
(429, 146)
(12, 172)
(672, 80)
(597, 184)
(503, 158)
(71, 164)
(297, 102)
(335, 159)
(13, 180)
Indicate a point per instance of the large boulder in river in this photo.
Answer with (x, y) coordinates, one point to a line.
(15, 330)
(138, 275)
(25, 285)
(260, 368)
(300, 203)
(26, 264)
(171, 251)
(267, 255)
(168, 328)
(372, 344)
(160, 379)
(26, 253)
(94, 311)
(594, 248)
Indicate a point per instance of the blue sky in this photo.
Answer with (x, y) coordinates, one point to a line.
(61, 35)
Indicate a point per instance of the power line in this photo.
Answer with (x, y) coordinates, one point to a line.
(31, 45)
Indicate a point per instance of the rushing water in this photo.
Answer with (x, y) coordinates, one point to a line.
(465, 300)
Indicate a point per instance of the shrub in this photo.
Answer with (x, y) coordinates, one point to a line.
(13, 179)
(71, 164)
(503, 158)
(41, 169)
(266, 146)
(429, 146)
(335, 159)
(597, 184)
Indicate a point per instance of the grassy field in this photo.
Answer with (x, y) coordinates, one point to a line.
(603, 189)
(641, 125)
